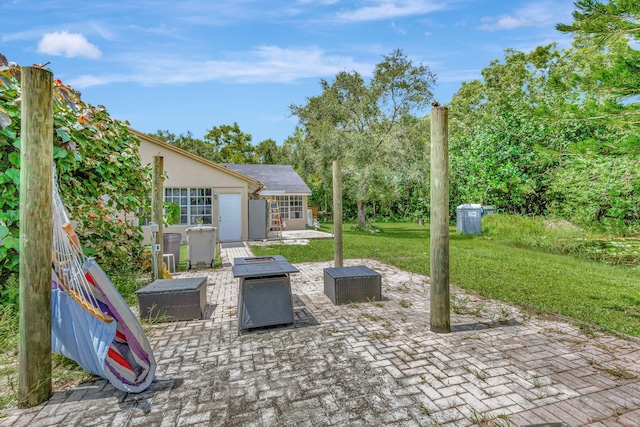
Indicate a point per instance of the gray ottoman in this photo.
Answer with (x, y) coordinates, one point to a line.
(173, 299)
(352, 284)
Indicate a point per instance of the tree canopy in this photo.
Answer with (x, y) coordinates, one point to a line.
(370, 126)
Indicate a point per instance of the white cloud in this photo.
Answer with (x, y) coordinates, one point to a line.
(263, 64)
(388, 9)
(538, 14)
(398, 30)
(63, 43)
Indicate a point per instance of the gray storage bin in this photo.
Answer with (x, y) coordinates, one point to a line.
(201, 246)
(173, 299)
(171, 245)
(469, 219)
(352, 284)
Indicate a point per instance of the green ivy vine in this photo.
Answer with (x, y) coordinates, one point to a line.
(100, 177)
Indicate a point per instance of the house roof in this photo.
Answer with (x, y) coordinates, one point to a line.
(214, 165)
(277, 180)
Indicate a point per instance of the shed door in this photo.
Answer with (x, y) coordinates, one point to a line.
(230, 220)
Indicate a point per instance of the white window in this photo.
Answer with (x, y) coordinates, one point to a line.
(290, 207)
(196, 204)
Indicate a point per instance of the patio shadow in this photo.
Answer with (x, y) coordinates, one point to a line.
(479, 326)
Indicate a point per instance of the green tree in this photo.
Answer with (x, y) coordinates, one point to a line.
(269, 153)
(230, 144)
(605, 22)
(188, 143)
(511, 130)
(525, 137)
(366, 126)
(610, 75)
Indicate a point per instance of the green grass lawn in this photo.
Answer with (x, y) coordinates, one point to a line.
(592, 292)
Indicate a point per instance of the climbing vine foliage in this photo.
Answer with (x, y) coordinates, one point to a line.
(100, 177)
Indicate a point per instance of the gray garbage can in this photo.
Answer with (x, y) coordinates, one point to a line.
(469, 218)
(171, 245)
(201, 246)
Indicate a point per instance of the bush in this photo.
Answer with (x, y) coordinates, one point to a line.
(559, 237)
(600, 192)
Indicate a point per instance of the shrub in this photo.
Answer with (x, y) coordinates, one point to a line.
(100, 177)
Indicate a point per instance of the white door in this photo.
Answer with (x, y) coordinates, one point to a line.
(230, 217)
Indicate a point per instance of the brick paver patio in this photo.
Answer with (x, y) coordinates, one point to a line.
(366, 364)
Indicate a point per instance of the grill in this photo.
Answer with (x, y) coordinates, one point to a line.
(264, 294)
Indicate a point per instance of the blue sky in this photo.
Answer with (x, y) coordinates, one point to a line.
(194, 64)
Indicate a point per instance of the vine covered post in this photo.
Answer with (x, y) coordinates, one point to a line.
(36, 236)
(337, 213)
(156, 210)
(439, 242)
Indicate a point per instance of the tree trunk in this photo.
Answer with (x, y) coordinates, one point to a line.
(362, 217)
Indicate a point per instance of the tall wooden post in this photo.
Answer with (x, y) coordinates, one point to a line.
(439, 245)
(157, 189)
(337, 213)
(36, 235)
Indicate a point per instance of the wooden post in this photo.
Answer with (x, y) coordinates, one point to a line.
(157, 199)
(337, 213)
(439, 245)
(36, 236)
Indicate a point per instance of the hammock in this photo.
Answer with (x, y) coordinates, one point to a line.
(91, 323)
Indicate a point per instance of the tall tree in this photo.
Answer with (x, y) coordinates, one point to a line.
(230, 144)
(605, 21)
(512, 129)
(611, 72)
(269, 153)
(365, 125)
(188, 143)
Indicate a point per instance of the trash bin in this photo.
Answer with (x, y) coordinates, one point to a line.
(171, 245)
(469, 219)
(201, 246)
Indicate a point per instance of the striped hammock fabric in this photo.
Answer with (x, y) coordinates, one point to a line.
(91, 322)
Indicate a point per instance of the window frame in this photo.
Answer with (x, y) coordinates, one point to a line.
(193, 202)
(290, 204)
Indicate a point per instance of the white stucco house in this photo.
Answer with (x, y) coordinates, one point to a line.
(213, 194)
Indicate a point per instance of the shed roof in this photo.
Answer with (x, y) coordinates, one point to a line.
(277, 180)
